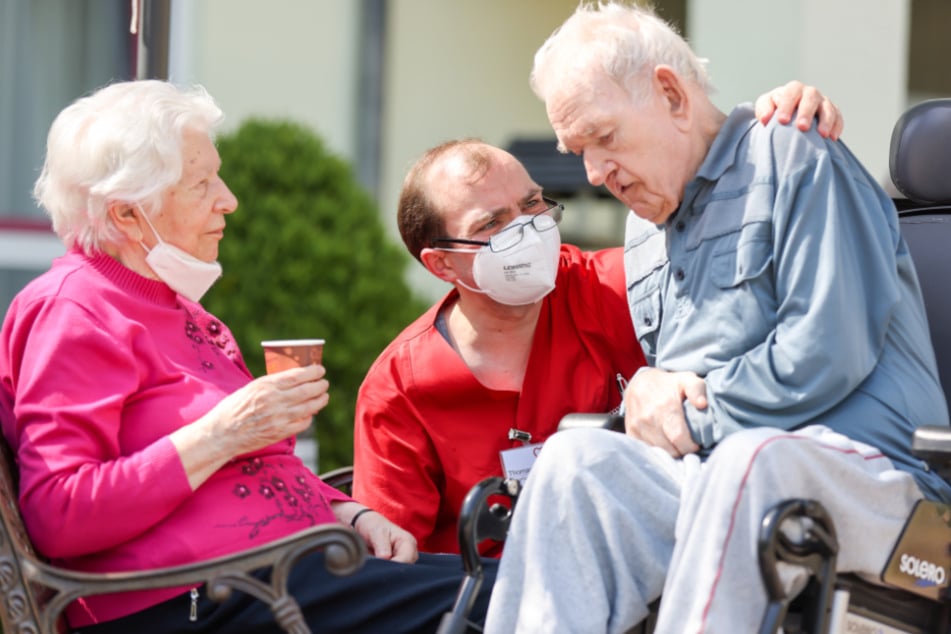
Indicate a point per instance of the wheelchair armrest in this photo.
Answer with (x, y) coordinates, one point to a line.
(478, 520)
(612, 422)
(932, 443)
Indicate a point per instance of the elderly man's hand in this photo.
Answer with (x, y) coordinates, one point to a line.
(654, 411)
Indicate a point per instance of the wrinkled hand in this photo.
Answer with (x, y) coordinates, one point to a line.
(268, 409)
(385, 539)
(654, 411)
(783, 101)
(263, 412)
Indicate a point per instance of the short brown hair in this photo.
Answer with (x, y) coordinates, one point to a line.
(417, 217)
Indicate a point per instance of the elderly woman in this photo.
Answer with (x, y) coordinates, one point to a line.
(142, 440)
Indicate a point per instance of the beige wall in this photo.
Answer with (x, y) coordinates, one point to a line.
(280, 58)
(855, 51)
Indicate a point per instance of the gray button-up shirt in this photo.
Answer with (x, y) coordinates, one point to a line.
(784, 282)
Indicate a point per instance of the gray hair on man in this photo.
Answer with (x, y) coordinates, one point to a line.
(625, 41)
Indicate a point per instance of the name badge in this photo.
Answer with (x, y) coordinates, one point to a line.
(518, 461)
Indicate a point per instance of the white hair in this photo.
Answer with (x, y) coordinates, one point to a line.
(120, 143)
(626, 42)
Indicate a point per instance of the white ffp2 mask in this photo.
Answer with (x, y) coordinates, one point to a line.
(521, 274)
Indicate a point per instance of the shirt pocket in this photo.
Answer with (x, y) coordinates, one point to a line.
(742, 256)
(742, 271)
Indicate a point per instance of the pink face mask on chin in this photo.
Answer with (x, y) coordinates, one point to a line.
(184, 273)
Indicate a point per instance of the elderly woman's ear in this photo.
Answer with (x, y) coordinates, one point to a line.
(125, 218)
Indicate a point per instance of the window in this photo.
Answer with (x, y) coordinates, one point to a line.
(929, 50)
(50, 53)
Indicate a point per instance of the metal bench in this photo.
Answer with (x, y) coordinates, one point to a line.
(35, 593)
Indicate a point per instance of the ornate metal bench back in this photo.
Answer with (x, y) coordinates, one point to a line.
(20, 605)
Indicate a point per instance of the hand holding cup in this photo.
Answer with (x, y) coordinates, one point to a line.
(284, 354)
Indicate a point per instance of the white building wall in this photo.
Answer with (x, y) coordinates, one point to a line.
(855, 51)
(283, 58)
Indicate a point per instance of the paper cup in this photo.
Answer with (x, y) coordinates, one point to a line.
(283, 354)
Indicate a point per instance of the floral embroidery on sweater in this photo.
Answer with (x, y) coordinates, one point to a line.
(293, 499)
(202, 328)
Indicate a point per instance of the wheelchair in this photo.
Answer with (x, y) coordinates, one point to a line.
(914, 593)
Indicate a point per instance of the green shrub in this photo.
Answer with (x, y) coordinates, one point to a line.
(307, 255)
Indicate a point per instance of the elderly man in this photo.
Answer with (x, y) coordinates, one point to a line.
(774, 298)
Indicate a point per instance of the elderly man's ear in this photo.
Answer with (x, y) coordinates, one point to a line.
(671, 87)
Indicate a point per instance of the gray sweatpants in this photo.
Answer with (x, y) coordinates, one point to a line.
(607, 524)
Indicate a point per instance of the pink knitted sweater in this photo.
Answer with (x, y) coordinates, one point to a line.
(101, 365)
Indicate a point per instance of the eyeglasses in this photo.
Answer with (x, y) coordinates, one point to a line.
(508, 237)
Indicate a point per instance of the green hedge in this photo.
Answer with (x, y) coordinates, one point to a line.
(306, 255)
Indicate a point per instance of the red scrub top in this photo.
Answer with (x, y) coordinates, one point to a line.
(426, 430)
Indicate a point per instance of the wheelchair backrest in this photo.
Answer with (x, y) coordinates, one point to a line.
(920, 166)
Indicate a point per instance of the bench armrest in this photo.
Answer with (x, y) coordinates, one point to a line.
(345, 552)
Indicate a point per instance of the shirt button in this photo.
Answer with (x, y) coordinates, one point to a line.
(648, 321)
(680, 275)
